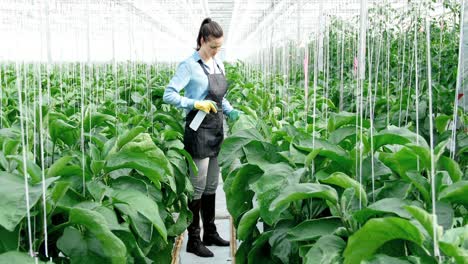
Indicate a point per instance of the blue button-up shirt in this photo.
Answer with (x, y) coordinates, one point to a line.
(191, 78)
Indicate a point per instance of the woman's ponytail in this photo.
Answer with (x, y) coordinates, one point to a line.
(208, 28)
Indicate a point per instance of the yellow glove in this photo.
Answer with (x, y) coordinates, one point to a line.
(206, 106)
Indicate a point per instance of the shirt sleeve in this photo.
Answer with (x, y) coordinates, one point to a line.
(227, 107)
(178, 82)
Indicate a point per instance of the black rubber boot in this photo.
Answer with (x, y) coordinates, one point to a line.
(210, 235)
(194, 243)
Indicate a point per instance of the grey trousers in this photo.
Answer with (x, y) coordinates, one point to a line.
(207, 179)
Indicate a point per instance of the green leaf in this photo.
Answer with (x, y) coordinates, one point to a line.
(58, 166)
(231, 149)
(421, 184)
(454, 244)
(129, 136)
(327, 250)
(384, 259)
(143, 155)
(169, 120)
(144, 205)
(95, 119)
(341, 133)
(189, 158)
(32, 168)
(455, 193)
(445, 214)
(112, 247)
(397, 135)
(452, 167)
(441, 122)
(60, 129)
(333, 152)
(382, 207)
(344, 181)
(111, 218)
(18, 257)
(260, 250)
(239, 182)
(247, 223)
(13, 198)
(262, 153)
(376, 232)
(425, 219)
(82, 247)
(183, 220)
(311, 229)
(302, 191)
(10, 239)
(142, 226)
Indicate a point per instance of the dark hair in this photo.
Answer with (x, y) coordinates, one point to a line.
(208, 28)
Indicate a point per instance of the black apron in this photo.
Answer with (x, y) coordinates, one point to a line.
(206, 141)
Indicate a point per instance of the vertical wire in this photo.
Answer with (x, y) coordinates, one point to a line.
(25, 170)
(41, 129)
(459, 81)
(416, 85)
(431, 137)
(361, 78)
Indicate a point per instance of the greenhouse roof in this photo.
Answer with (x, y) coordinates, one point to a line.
(58, 30)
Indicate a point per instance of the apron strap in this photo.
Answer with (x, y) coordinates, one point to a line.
(204, 68)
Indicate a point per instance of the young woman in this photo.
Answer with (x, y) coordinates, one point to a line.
(202, 78)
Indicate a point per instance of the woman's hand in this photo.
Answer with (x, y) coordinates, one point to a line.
(206, 106)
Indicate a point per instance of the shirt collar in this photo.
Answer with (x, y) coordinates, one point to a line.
(196, 57)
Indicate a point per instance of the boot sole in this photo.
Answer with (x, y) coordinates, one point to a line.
(213, 244)
(203, 256)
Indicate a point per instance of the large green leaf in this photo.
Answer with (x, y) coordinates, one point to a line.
(12, 195)
(140, 224)
(384, 259)
(397, 135)
(331, 151)
(94, 119)
(260, 250)
(144, 205)
(311, 229)
(302, 191)
(85, 247)
(128, 136)
(262, 153)
(183, 220)
(441, 122)
(421, 184)
(10, 239)
(327, 250)
(341, 133)
(169, 120)
(18, 257)
(376, 232)
(454, 243)
(33, 170)
(109, 246)
(344, 181)
(143, 155)
(425, 219)
(382, 207)
(239, 182)
(232, 146)
(247, 223)
(455, 193)
(60, 129)
(58, 166)
(452, 167)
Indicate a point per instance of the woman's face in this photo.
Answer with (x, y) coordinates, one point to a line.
(212, 45)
